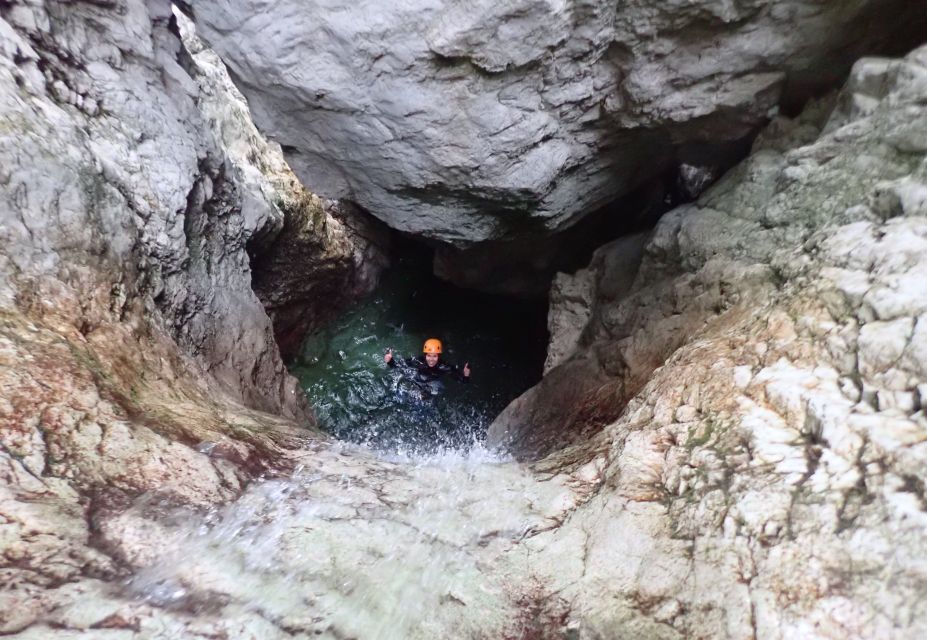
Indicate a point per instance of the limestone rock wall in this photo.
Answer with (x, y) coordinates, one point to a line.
(133, 352)
(734, 432)
(470, 121)
(110, 170)
(608, 277)
(310, 256)
(759, 474)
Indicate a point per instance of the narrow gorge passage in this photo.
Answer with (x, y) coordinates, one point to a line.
(729, 438)
(357, 398)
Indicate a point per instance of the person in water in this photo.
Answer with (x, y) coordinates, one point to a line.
(430, 368)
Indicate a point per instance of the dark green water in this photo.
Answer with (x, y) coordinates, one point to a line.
(359, 399)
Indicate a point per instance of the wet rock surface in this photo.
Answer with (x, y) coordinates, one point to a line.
(130, 340)
(327, 256)
(478, 121)
(351, 546)
(134, 356)
(110, 168)
(91, 419)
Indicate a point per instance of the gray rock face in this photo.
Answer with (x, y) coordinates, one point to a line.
(132, 348)
(311, 257)
(570, 308)
(752, 407)
(609, 276)
(766, 206)
(318, 264)
(470, 121)
(111, 178)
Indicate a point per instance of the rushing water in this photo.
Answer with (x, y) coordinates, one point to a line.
(353, 545)
(359, 399)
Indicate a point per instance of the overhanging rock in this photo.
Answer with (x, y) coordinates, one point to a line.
(466, 122)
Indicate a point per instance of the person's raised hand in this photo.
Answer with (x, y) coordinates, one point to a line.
(466, 370)
(388, 355)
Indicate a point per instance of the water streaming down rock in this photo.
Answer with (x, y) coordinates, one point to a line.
(398, 537)
(353, 546)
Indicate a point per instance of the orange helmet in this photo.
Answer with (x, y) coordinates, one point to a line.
(432, 345)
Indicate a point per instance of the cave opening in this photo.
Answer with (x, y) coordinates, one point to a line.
(358, 398)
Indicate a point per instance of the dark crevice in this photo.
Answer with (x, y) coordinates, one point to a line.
(524, 265)
(301, 278)
(914, 484)
(470, 65)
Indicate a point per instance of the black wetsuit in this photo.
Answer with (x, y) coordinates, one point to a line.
(425, 374)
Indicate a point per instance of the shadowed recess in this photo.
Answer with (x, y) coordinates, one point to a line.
(359, 399)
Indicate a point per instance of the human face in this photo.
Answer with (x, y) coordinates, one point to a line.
(431, 359)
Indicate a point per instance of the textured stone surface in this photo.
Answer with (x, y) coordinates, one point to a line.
(353, 546)
(763, 476)
(570, 308)
(485, 120)
(130, 339)
(110, 168)
(122, 234)
(312, 257)
(99, 405)
(327, 256)
(609, 276)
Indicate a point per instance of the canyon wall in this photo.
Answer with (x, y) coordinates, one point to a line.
(313, 256)
(134, 354)
(112, 181)
(730, 438)
(743, 408)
